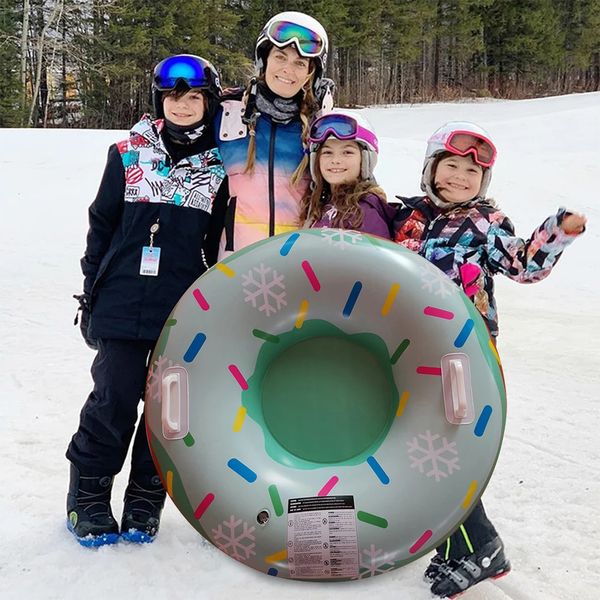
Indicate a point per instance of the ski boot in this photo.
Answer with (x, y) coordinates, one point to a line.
(89, 516)
(454, 576)
(432, 569)
(143, 502)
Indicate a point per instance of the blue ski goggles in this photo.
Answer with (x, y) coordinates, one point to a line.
(194, 71)
(308, 42)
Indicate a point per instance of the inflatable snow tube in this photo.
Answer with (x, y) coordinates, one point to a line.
(325, 405)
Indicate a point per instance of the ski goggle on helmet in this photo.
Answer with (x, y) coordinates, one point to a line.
(463, 138)
(306, 33)
(345, 125)
(308, 42)
(194, 71)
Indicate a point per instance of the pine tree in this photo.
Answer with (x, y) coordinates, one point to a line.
(10, 88)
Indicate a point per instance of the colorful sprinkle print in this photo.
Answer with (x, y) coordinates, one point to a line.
(324, 491)
(469, 495)
(423, 370)
(378, 470)
(402, 404)
(302, 312)
(312, 278)
(404, 344)
(200, 299)
(285, 249)
(464, 334)
(371, 519)
(483, 420)
(421, 541)
(194, 347)
(202, 507)
(277, 557)
(238, 377)
(242, 470)
(276, 500)
(263, 335)
(225, 270)
(240, 417)
(352, 298)
(439, 313)
(389, 301)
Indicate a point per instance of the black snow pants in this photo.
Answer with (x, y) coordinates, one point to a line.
(476, 531)
(108, 417)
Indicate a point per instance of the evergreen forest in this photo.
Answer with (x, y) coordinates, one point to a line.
(88, 63)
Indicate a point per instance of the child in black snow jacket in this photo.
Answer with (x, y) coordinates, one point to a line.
(466, 236)
(148, 225)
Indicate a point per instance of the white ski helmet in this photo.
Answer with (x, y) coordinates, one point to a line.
(462, 138)
(306, 33)
(345, 125)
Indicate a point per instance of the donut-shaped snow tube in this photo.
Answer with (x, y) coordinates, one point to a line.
(325, 405)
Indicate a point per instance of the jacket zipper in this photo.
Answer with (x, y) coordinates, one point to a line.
(272, 180)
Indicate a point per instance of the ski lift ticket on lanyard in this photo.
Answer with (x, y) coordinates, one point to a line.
(150, 261)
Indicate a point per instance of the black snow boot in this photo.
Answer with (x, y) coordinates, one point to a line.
(432, 569)
(457, 575)
(89, 516)
(143, 503)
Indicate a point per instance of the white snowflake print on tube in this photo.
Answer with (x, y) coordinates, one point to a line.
(264, 288)
(439, 454)
(341, 238)
(234, 540)
(436, 282)
(374, 562)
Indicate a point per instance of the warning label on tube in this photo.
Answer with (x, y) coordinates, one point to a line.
(322, 540)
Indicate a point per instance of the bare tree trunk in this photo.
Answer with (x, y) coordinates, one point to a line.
(56, 11)
(24, 33)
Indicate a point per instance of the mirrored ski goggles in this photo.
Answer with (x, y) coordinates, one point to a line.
(343, 127)
(192, 70)
(308, 42)
(466, 142)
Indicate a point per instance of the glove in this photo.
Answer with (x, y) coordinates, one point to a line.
(82, 316)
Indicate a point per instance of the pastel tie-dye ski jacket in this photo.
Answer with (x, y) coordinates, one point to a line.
(483, 237)
(264, 202)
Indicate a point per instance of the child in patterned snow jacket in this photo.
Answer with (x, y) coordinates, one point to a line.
(148, 224)
(343, 153)
(463, 233)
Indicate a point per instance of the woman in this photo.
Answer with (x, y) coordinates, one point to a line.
(263, 130)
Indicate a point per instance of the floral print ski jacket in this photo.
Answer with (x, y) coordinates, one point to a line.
(473, 243)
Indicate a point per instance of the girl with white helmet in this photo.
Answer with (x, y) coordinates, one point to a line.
(457, 228)
(343, 153)
(262, 130)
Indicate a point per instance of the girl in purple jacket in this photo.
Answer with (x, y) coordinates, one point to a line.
(344, 193)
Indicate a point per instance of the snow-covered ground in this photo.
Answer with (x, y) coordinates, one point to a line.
(544, 496)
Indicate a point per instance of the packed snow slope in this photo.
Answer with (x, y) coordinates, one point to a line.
(544, 496)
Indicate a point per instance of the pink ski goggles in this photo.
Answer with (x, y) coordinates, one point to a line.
(343, 127)
(466, 142)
